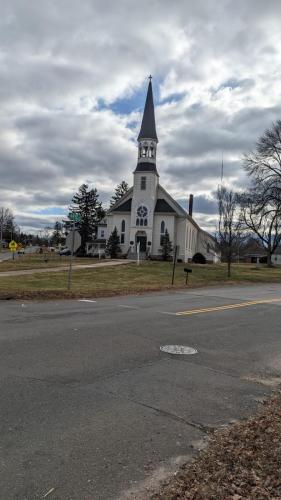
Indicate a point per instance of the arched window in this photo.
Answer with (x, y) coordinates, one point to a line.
(122, 240)
(162, 232)
(144, 151)
(141, 216)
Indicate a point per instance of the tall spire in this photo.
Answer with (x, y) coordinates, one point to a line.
(148, 128)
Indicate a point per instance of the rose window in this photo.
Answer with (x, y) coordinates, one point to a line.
(141, 216)
(142, 211)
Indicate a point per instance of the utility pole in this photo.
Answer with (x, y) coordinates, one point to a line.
(1, 229)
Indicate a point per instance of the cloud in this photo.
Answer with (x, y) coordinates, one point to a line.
(73, 87)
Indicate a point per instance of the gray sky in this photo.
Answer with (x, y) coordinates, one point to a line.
(73, 79)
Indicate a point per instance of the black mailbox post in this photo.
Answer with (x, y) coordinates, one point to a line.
(187, 271)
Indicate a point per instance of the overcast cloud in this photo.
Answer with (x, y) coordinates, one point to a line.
(73, 78)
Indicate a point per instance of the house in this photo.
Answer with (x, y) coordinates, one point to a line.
(147, 210)
(276, 257)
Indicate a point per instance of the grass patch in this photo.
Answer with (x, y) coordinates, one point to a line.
(130, 278)
(38, 261)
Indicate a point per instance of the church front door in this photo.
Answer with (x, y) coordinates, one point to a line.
(142, 241)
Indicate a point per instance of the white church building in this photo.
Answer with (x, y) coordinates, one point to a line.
(144, 213)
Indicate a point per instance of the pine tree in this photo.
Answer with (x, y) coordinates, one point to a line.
(86, 203)
(113, 244)
(166, 246)
(120, 190)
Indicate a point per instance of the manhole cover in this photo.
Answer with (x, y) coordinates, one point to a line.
(178, 349)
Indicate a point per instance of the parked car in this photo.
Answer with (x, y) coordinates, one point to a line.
(65, 252)
(21, 251)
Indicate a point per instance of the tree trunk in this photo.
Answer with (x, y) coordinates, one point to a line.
(268, 260)
(229, 267)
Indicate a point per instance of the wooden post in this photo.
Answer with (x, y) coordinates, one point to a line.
(174, 263)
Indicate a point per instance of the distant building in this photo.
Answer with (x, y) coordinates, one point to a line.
(147, 210)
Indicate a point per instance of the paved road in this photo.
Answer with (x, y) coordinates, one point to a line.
(90, 406)
(9, 255)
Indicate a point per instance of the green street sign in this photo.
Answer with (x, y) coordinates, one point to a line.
(74, 216)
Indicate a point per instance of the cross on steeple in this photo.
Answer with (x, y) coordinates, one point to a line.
(150, 78)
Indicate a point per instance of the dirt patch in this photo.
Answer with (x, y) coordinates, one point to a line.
(267, 381)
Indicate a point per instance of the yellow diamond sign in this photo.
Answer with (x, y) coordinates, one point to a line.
(13, 245)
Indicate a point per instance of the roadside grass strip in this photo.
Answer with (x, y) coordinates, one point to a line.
(228, 306)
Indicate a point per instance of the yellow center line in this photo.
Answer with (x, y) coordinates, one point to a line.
(228, 306)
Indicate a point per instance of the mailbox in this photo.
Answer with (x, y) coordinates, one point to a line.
(187, 271)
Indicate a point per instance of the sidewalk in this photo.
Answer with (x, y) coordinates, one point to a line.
(66, 268)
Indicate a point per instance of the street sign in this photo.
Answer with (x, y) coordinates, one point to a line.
(76, 242)
(74, 216)
(13, 246)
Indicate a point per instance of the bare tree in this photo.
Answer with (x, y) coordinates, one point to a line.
(264, 164)
(7, 225)
(263, 218)
(229, 229)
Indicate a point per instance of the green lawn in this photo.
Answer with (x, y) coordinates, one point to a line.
(131, 279)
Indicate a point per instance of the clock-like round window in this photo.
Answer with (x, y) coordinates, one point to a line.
(142, 211)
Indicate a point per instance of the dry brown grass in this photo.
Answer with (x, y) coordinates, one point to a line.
(131, 278)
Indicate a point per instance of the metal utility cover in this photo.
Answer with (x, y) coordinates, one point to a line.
(178, 349)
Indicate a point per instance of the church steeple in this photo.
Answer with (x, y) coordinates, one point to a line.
(147, 137)
(148, 127)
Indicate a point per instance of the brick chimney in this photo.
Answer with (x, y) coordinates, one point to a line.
(190, 211)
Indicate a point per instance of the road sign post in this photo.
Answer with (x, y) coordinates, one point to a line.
(13, 246)
(74, 217)
(174, 263)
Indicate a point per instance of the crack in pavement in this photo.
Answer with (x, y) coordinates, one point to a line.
(206, 429)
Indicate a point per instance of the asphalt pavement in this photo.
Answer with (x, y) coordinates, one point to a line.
(91, 408)
(6, 255)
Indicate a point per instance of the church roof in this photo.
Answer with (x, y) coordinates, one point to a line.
(162, 206)
(148, 127)
(124, 207)
(145, 166)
